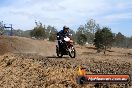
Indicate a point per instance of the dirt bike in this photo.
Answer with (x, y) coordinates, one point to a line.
(66, 48)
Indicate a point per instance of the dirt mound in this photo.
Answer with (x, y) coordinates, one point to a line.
(25, 45)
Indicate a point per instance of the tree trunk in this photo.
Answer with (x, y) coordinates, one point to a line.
(105, 50)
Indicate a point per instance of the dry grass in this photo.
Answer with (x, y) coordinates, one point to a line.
(33, 64)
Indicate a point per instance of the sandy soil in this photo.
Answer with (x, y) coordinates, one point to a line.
(28, 63)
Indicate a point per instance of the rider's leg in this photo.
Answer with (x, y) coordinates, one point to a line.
(59, 45)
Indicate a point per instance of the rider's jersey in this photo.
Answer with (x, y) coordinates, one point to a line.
(62, 34)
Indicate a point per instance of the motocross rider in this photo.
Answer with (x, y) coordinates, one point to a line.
(61, 34)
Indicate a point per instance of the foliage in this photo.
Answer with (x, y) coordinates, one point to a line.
(90, 28)
(52, 37)
(80, 36)
(103, 39)
(119, 39)
(51, 33)
(82, 39)
(38, 31)
(73, 35)
(129, 42)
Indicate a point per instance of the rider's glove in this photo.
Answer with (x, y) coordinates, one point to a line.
(58, 37)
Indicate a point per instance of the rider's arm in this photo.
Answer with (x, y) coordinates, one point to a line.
(59, 35)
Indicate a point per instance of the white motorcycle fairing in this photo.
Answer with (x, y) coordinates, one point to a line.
(67, 39)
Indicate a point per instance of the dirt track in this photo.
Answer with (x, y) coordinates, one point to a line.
(27, 63)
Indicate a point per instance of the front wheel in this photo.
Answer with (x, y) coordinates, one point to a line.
(72, 52)
(59, 54)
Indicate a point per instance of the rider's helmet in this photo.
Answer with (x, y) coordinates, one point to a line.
(66, 29)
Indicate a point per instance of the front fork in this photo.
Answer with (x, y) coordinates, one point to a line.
(57, 49)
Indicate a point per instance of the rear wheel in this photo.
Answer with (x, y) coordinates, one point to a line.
(72, 52)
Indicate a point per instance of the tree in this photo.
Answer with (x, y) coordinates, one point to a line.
(1, 28)
(73, 34)
(52, 36)
(90, 28)
(103, 39)
(81, 37)
(26, 33)
(18, 32)
(119, 39)
(38, 31)
(49, 30)
(51, 33)
(129, 42)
